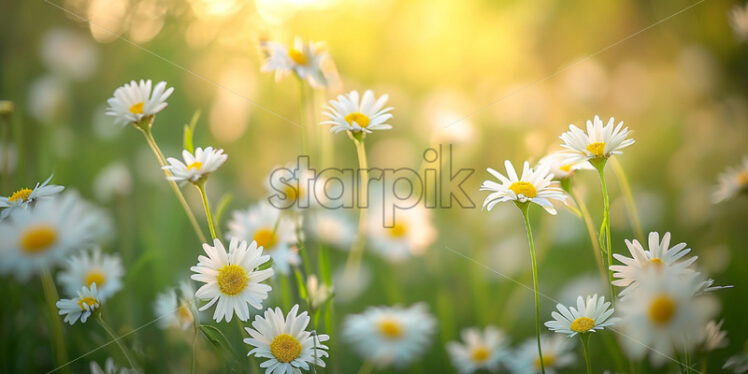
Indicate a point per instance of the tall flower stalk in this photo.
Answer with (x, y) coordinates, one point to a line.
(125, 351)
(524, 208)
(58, 340)
(604, 235)
(354, 258)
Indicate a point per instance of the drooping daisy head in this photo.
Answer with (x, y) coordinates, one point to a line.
(88, 268)
(347, 113)
(27, 196)
(478, 350)
(732, 182)
(232, 280)
(659, 256)
(663, 312)
(598, 143)
(134, 103)
(556, 355)
(271, 230)
(317, 292)
(285, 342)
(390, 336)
(196, 167)
(409, 234)
(81, 306)
(176, 307)
(590, 315)
(41, 236)
(533, 186)
(557, 165)
(305, 59)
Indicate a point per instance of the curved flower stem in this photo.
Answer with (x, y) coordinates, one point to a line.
(116, 339)
(605, 242)
(585, 338)
(629, 199)
(201, 187)
(524, 208)
(50, 295)
(354, 257)
(162, 161)
(584, 214)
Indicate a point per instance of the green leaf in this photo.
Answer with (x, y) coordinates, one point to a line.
(301, 284)
(189, 132)
(266, 265)
(324, 265)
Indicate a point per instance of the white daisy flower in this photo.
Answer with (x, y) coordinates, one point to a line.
(134, 102)
(533, 186)
(410, 234)
(26, 196)
(557, 165)
(660, 255)
(590, 315)
(91, 268)
(40, 237)
(81, 306)
(714, 336)
(739, 21)
(334, 228)
(285, 342)
(479, 350)
(195, 168)
(110, 368)
(599, 142)
(732, 182)
(664, 312)
(303, 59)
(348, 114)
(318, 292)
(556, 355)
(293, 187)
(176, 311)
(390, 336)
(232, 279)
(272, 231)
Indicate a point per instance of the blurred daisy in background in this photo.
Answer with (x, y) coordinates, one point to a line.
(232, 279)
(48, 99)
(714, 336)
(556, 355)
(738, 363)
(478, 350)
(533, 186)
(557, 164)
(176, 310)
(317, 292)
(664, 313)
(390, 336)
(292, 187)
(285, 342)
(266, 225)
(40, 237)
(80, 306)
(305, 60)
(660, 255)
(348, 114)
(69, 54)
(113, 181)
(410, 234)
(333, 228)
(599, 142)
(732, 182)
(196, 167)
(134, 101)
(739, 21)
(110, 368)
(590, 315)
(26, 196)
(88, 268)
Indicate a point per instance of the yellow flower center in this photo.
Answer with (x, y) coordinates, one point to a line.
(90, 301)
(398, 230)
(195, 165)
(582, 324)
(184, 313)
(390, 328)
(95, 276)
(38, 238)
(565, 168)
(232, 279)
(662, 309)
(358, 117)
(292, 193)
(597, 149)
(479, 354)
(265, 238)
(524, 188)
(656, 262)
(297, 56)
(743, 178)
(285, 348)
(22, 194)
(137, 108)
(548, 361)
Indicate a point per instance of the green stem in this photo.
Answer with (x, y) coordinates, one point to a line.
(524, 208)
(366, 368)
(193, 363)
(587, 219)
(354, 257)
(302, 247)
(629, 199)
(201, 187)
(50, 296)
(116, 339)
(585, 338)
(605, 227)
(162, 161)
